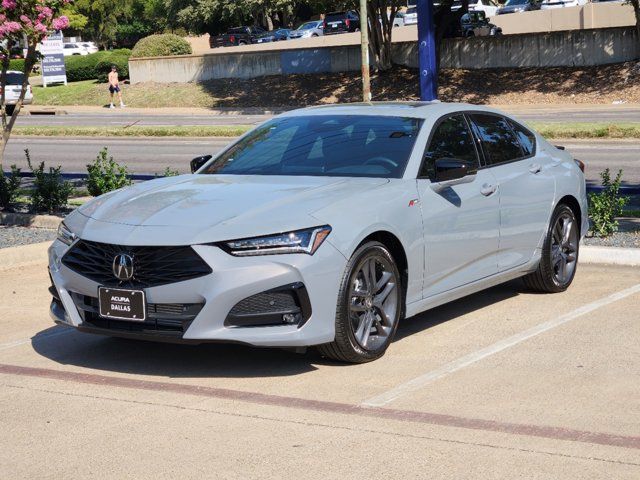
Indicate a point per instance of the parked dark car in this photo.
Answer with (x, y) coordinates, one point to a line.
(514, 6)
(274, 36)
(475, 24)
(341, 22)
(237, 36)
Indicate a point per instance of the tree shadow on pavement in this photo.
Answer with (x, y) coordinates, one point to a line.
(66, 346)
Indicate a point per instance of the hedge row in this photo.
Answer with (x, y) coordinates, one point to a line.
(17, 64)
(97, 66)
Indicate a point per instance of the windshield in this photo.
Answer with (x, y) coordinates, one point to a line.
(510, 3)
(323, 145)
(307, 26)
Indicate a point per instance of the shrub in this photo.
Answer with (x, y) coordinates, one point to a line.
(103, 67)
(106, 175)
(85, 67)
(9, 186)
(165, 44)
(17, 64)
(605, 206)
(50, 192)
(168, 172)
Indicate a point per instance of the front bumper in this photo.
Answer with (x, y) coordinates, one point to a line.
(207, 301)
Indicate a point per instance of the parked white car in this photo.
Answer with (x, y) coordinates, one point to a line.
(307, 30)
(73, 49)
(13, 89)
(489, 7)
(90, 47)
(325, 226)
(411, 16)
(550, 4)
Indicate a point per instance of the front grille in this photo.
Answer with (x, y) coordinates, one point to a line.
(162, 318)
(152, 266)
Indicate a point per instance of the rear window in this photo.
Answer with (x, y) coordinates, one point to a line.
(411, 10)
(15, 78)
(336, 16)
(323, 145)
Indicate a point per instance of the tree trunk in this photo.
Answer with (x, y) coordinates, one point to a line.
(380, 32)
(636, 9)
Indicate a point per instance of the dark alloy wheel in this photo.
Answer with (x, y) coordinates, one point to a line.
(369, 306)
(559, 253)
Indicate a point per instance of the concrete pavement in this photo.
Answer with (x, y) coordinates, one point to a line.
(153, 155)
(564, 403)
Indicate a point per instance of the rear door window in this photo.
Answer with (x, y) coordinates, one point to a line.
(450, 139)
(499, 143)
(526, 138)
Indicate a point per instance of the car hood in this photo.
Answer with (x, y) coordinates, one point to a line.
(207, 208)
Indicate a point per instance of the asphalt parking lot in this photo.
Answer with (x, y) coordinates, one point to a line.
(503, 384)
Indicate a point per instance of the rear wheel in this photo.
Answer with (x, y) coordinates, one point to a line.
(559, 254)
(369, 306)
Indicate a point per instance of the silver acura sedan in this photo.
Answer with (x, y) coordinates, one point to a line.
(325, 226)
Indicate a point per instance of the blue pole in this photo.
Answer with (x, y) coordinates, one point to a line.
(427, 51)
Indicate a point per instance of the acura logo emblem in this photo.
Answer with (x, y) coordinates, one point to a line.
(123, 267)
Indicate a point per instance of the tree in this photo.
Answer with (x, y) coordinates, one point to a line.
(31, 20)
(636, 8)
(381, 14)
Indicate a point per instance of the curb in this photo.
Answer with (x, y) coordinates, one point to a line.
(50, 222)
(23, 255)
(629, 257)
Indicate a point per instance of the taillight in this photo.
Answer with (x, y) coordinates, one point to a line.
(347, 22)
(232, 39)
(580, 164)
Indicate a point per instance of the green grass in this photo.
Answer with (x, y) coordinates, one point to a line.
(76, 93)
(588, 130)
(133, 131)
(551, 131)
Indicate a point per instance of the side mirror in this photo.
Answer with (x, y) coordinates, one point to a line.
(452, 171)
(198, 162)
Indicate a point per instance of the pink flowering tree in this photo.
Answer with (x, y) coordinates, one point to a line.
(28, 20)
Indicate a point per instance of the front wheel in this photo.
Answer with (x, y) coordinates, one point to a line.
(369, 306)
(559, 254)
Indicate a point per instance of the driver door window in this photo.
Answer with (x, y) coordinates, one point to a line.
(451, 139)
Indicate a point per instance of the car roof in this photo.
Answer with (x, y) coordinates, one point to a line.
(394, 109)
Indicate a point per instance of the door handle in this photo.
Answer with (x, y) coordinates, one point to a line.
(487, 189)
(535, 168)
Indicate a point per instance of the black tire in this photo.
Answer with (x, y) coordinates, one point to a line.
(345, 347)
(545, 279)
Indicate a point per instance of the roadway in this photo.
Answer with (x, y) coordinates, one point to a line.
(153, 155)
(96, 116)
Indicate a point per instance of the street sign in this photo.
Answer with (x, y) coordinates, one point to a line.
(53, 69)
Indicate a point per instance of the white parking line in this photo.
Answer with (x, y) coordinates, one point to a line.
(462, 362)
(17, 343)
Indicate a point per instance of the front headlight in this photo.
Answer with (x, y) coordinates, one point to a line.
(299, 241)
(65, 235)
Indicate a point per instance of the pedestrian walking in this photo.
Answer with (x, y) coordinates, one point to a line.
(114, 86)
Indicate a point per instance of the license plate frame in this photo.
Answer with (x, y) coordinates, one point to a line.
(113, 304)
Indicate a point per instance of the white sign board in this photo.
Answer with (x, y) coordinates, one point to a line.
(53, 69)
